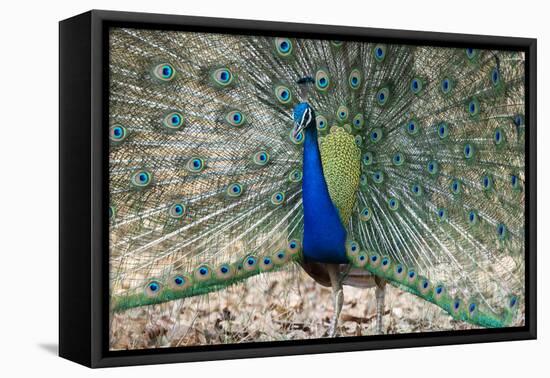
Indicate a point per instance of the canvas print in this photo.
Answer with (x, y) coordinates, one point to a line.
(275, 188)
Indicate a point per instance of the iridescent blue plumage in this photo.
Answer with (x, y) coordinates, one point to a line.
(324, 236)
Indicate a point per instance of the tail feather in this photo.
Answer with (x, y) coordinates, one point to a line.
(206, 278)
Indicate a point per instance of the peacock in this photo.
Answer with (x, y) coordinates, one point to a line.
(364, 164)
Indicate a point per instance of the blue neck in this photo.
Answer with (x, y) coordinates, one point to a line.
(324, 234)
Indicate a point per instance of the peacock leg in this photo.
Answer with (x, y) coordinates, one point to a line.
(380, 297)
(337, 296)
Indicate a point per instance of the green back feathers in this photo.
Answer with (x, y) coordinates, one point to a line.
(341, 167)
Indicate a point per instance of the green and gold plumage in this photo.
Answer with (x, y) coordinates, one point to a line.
(341, 160)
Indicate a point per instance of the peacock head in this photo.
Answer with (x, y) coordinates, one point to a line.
(304, 116)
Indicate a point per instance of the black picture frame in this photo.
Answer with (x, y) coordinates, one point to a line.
(83, 196)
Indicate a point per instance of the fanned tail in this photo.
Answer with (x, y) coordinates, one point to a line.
(206, 278)
(204, 174)
(441, 207)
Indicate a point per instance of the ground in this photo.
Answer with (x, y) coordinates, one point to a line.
(272, 307)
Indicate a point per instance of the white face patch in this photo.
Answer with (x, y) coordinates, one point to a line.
(307, 113)
(304, 121)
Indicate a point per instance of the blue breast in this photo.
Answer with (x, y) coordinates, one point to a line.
(324, 238)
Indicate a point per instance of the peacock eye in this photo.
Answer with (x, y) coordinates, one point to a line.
(234, 190)
(487, 182)
(424, 286)
(352, 248)
(180, 282)
(336, 43)
(141, 178)
(513, 301)
(398, 159)
(195, 165)
(365, 214)
(222, 76)
(378, 177)
(455, 186)
(379, 52)
(473, 107)
(442, 214)
(293, 247)
(152, 289)
(433, 167)
(468, 151)
(472, 217)
(203, 273)
(225, 271)
(283, 94)
(280, 257)
(519, 120)
(363, 180)
(354, 79)
(358, 121)
(117, 133)
(514, 180)
(417, 190)
(261, 158)
(322, 80)
(399, 271)
(321, 122)
(412, 127)
(177, 210)
(249, 263)
(277, 198)
(411, 275)
(173, 120)
(235, 118)
(501, 231)
(446, 85)
(295, 175)
(456, 305)
(442, 130)
(164, 72)
(283, 46)
(471, 53)
(342, 113)
(374, 259)
(498, 136)
(416, 85)
(376, 135)
(393, 203)
(296, 139)
(382, 96)
(266, 263)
